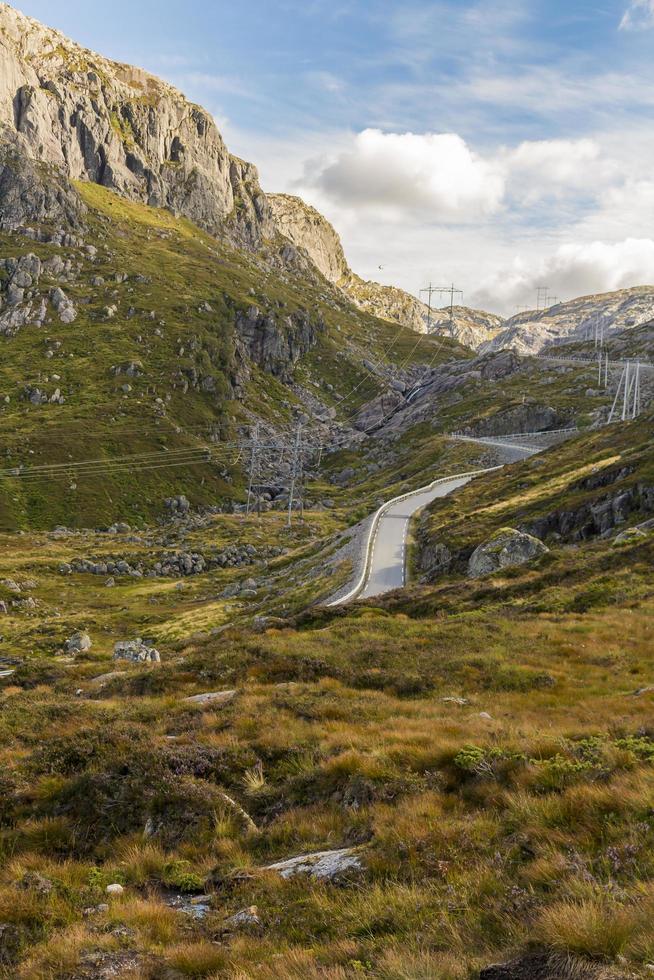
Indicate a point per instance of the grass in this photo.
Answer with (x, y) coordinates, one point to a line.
(173, 269)
(486, 747)
(477, 834)
(571, 479)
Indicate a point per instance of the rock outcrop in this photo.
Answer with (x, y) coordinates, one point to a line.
(322, 865)
(31, 192)
(507, 547)
(576, 320)
(306, 228)
(275, 345)
(66, 107)
(310, 231)
(136, 651)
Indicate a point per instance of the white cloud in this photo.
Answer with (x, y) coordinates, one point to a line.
(639, 14)
(593, 193)
(554, 161)
(434, 175)
(574, 269)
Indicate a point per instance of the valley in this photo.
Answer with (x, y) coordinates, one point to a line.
(326, 640)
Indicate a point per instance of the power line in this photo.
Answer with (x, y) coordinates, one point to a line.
(541, 297)
(452, 290)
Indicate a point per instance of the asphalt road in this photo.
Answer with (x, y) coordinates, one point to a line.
(387, 565)
(387, 568)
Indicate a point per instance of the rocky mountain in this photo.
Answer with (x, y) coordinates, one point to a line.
(470, 327)
(118, 126)
(309, 230)
(148, 302)
(575, 320)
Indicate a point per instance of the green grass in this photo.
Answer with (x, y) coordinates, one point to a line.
(183, 268)
(569, 478)
(477, 834)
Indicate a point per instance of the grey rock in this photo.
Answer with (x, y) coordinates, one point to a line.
(120, 127)
(78, 643)
(136, 651)
(322, 865)
(245, 919)
(214, 698)
(507, 547)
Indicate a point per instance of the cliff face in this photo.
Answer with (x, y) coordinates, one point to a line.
(118, 126)
(307, 229)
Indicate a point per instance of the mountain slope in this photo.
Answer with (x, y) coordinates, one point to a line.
(128, 330)
(577, 319)
(309, 230)
(118, 126)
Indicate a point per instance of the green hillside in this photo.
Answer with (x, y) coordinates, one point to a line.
(190, 385)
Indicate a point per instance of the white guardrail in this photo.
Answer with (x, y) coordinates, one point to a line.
(374, 527)
(571, 359)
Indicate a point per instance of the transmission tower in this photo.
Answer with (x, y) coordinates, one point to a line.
(541, 297)
(254, 470)
(296, 466)
(629, 386)
(453, 291)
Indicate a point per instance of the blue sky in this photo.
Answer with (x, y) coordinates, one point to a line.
(495, 142)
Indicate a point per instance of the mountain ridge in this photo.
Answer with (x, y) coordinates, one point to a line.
(575, 320)
(310, 230)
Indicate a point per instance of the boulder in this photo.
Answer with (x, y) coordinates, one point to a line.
(245, 919)
(214, 698)
(78, 643)
(136, 651)
(507, 547)
(323, 865)
(631, 536)
(435, 559)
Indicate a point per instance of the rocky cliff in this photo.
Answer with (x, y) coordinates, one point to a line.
(470, 327)
(309, 230)
(64, 106)
(576, 320)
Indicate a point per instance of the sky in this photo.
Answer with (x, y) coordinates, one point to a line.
(499, 145)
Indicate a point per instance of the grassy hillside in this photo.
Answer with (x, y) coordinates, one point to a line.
(163, 326)
(516, 815)
(573, 479)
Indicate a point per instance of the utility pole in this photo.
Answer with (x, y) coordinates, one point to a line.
(636, 401)
(627, 386)
(617, 395)
(254, 464)
(541, 297)
(429, 290)
(294, 471)
(452, 290)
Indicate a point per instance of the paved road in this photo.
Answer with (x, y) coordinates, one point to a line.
(388, 562)
(387, 567)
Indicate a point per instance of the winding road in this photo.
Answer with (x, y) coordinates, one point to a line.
(385, 547)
